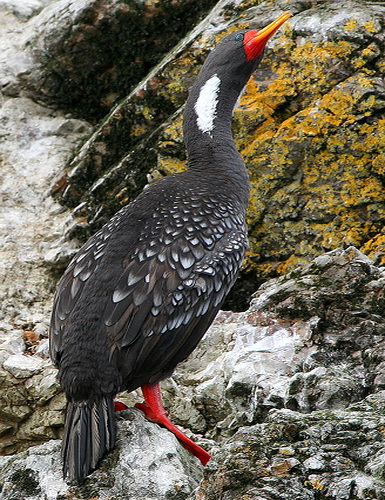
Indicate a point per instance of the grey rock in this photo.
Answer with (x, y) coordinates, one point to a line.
(148, 462)
(11, 343)
(83, 55)
(33, 150)
(24, 8)
(324, 454)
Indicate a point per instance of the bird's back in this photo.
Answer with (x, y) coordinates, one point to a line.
(141, 293)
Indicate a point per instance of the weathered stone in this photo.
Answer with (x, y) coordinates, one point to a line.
(326, 460)
(44, 386)
(148, 462)
(307, 365)
(84, 55)
(42, 348)
(21, 366)
(33, 140)
(11, 343)
(24, 8)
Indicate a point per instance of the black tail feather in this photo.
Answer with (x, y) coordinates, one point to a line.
(89, 432)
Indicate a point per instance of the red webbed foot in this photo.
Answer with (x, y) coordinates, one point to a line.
(154, 410)
(119, 406)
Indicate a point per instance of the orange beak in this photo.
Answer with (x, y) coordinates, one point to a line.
(255, 41)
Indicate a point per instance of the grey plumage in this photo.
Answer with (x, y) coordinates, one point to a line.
(141, 293)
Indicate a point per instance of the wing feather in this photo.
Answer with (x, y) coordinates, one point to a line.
(161, 295)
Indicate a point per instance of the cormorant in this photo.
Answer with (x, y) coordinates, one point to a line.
(140, 294)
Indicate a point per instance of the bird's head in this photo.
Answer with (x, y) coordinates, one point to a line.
(241, 51)
(254, 41)
(222, 78)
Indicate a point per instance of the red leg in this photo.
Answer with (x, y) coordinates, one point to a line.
(154, 410)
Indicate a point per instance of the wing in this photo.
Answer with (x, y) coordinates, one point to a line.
(163, 305)
(83, 267)
(163, 294)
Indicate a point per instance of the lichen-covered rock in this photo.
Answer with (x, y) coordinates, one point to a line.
(333, 454)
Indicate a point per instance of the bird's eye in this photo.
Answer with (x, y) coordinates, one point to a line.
(239, 37)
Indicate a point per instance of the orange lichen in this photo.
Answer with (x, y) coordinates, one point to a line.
(170, 165)
(323, 143)
(375, 248)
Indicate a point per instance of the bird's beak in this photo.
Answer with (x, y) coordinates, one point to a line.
(256, 43)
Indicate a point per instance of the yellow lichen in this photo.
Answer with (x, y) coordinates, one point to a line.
(350, 25)
(170, 165)
(147, 113)
(370, 26)
(289, 264)
(315, 483)
(138, 130)
(375, 248)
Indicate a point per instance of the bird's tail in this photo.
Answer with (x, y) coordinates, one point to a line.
(89, 432)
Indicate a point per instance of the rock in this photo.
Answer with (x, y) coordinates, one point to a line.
(147, 462)
(307, 343)
(11, 344)
(24, 8)
(43, 386)
(33, 148)
(85, 55)
(21, 366)
(280, 387)
(42, 349)
(331, 456)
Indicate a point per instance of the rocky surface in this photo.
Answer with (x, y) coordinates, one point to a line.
(288, 395)
(328, 454)
(84, 55)
(149, 463)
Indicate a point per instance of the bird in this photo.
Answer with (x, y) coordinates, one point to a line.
(140, 294)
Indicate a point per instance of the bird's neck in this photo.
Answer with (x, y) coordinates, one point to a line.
(207, 127)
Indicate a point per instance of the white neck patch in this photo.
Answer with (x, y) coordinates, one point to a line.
(206, 105)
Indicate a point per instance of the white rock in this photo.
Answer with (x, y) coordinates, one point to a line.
(44, 463)
(21, 366)
(42, 349)
(24, 8)
(315, 463)
(13, 345)
(43, 386)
